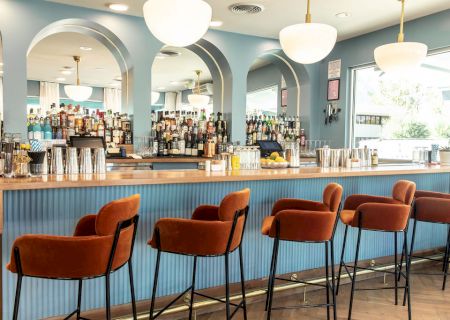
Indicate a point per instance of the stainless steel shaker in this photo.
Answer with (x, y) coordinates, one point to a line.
(99, 161)
(72, 161)
(57, 165)
(323, 157)
(85, 161)
(335, 157)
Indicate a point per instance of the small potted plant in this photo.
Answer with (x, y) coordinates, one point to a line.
(444, 155)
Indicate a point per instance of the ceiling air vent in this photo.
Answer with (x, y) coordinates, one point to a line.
(246, 8)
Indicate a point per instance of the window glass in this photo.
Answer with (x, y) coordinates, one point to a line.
(398, 117)
(263, 102)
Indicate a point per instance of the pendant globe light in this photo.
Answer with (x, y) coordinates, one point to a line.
(177, 23)
(196, 99)
(78, 92)
(308, 42)
(400, 57)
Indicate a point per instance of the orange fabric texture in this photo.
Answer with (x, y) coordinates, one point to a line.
(402, 195)
(404, 191)
(435, 210)
(208, 232)
(83, 255)
(431, 194)
(112, 213)
(305, 220)
(382, 216)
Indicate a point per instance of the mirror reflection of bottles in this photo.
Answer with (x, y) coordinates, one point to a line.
(274, 128)
(68, 120)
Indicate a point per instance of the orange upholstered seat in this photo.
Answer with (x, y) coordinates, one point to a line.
(212, 231)
(86, 254)
(304, 220)
(207, 232)
(432, 207)
(380, 213)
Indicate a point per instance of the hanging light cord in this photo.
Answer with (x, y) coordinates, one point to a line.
(308, 12)
(198, 81)
(77, 60)
(401, 35)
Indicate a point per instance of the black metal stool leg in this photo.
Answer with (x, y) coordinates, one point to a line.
(354, 274)
(80, 290)
(155, 284)
(133, 296)
(333, 280)
(327, 276)
(108, 299)
(227, 286)
(269, 284)
(341, 261)
(17, 298)
(446, 249)
(395, 268)
(272, 276)
(241, 265)
(408, 267)
(446, 262)
(194, 271)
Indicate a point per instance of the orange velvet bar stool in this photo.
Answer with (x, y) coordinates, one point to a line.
(101, 244)
(432, 207)
(304, 221)
(213, 231)
(383, 214)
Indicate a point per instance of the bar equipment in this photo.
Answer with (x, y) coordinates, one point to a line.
(57, 165)
(335, 158)
(99, 161)
(21, 164)
(37, 162)
(323, 157)
(86, 161)
(346, 158)
(8, 155)
(72, 161)
(293, 154)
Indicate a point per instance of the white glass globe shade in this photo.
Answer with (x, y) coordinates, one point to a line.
(78, 93)
(177, 23)
(308, 43)
(155, 97)
(400, 57)
(198, 100)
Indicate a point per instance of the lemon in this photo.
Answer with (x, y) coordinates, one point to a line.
(280, 159)
(274, 155)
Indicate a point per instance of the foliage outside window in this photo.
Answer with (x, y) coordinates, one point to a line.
(399, 115)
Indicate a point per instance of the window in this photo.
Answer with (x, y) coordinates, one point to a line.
(264, 101)
(399, 116)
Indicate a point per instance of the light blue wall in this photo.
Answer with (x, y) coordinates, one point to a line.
(433, 30)
(232, 53)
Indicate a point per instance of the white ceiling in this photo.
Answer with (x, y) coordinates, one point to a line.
(98, 67)
(179, 69)
(366, 15)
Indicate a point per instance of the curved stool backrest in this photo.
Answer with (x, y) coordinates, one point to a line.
(332, 196)
(403, 191)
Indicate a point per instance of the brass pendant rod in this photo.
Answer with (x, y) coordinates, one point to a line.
(401, 35)
(308, 12)
(77, 60)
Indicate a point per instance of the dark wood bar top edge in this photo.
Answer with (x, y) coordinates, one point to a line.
(198, 176)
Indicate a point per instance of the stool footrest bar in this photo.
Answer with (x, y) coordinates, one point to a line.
(320, 305)
(302, 282)
(215, 299)
(171, 303)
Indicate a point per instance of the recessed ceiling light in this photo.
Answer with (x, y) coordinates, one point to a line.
(161, 88)
(60, 79)
(119, 78)
(66, 72)
(118, 7)
(160, 57)
(216, 23)
(85, 48)
(99, 68)
(343, 15)
(1, 63)
(174, 83)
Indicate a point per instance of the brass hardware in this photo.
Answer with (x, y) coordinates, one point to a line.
(77, 60)
(308, 12)
(401, 35)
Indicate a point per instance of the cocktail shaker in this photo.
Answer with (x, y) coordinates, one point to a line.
(85, 161)
(99, 161)
(72, 161)
(57, 165)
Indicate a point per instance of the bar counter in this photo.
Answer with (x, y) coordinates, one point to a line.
(53, 205)
(133, 178)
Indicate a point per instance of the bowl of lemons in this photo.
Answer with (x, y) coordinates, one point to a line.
(274, 161)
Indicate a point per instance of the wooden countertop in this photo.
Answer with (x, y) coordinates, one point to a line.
(197, 176)
(160, 160)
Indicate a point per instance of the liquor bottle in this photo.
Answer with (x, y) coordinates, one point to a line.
(47, 129)
(302, 137)
(201, 146)
(194, 150)
(188, 149)
(30, 128)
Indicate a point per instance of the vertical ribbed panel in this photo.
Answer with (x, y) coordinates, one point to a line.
(56, 211)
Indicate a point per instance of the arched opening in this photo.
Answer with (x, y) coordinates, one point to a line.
(77, 52)
(273, 99)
